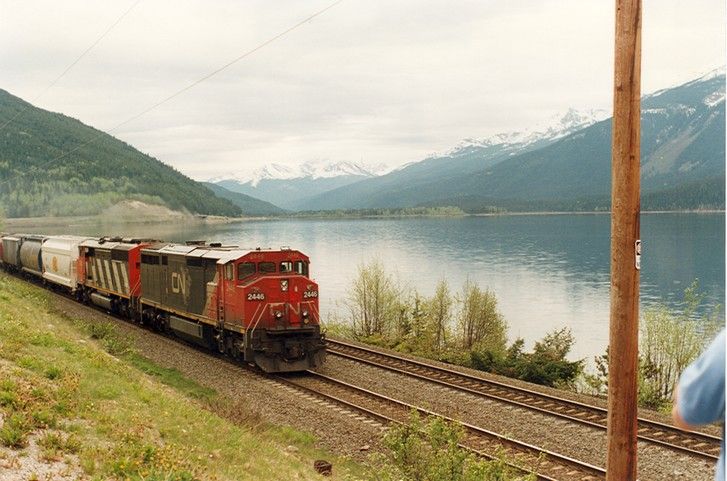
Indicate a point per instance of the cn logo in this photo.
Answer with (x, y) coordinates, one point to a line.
(179, 285)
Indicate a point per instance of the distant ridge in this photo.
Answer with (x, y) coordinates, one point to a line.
(249, 206)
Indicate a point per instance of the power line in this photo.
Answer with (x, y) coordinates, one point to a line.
(228, 64)
(78, 59)
(182, 90)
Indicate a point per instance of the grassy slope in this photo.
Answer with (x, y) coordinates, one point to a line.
(118, 415)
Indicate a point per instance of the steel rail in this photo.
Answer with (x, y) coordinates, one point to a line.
(693, 443)
(547, 465)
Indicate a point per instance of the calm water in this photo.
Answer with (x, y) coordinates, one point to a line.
(547, 271)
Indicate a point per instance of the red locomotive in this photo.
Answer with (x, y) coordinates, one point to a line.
(259, 306)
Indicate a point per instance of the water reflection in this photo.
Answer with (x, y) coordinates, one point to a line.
(548, 271)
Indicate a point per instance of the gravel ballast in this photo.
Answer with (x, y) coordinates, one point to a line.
(251, 396)
(571, 439)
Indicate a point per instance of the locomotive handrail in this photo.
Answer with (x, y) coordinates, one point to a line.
(255, 314)
(318, 314)
(133, 289)
(259, 317)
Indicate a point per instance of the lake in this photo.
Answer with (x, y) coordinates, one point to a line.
(547, 271)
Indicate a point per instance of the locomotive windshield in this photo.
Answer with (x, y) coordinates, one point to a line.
(266, 267)
(301, 267)
(245, 270)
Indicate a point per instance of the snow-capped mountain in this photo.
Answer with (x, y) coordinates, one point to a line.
(292, 186)
(553, 129)
(288, 185)
(312, 170)
(711, 98)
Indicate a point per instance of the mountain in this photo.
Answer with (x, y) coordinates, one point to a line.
(289, 186)
(92, 176)
(682, 142)
(249, 206)
(403, 187)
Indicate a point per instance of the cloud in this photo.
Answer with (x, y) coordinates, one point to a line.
(387, 82)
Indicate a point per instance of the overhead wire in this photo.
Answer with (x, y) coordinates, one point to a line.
(184, 89)
(73, 64)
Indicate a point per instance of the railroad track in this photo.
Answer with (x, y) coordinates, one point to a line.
(525, 458)
(693, 443)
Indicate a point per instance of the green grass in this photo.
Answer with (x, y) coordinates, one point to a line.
(14, 432)
(171, 377)
(56, 445)
(86, 394)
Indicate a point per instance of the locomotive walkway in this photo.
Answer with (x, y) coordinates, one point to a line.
(693, 443)
(547, 465)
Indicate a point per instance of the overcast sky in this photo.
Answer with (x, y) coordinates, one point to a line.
(380, 82)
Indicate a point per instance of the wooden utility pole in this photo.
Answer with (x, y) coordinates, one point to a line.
(625, 245)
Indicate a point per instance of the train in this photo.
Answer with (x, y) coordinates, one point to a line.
(257, 306)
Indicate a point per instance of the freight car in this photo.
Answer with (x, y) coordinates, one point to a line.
(257, 306)
(29, 254)
(59, 257)
(11, 252)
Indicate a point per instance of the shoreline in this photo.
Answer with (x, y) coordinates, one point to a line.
(565, 212)
(20, 222)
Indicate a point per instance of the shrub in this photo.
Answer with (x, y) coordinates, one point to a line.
(9, 399)
(53, 372)
(482, 326)
(430, 450)
(546, 365)
(100, 330)
(668, 342)
(44, 418)
(374, 301)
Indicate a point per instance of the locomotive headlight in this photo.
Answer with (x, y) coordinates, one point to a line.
(278, 315)
(304, 315)
(284, 285)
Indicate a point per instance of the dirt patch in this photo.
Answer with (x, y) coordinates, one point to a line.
(128, 210)
(30, 463)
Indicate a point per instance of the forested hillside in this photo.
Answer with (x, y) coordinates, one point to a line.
(89, 179)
